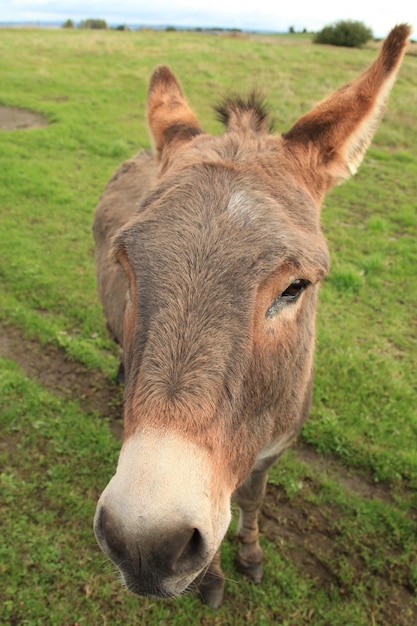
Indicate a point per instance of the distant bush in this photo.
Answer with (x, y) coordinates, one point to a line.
(344, 33)
(93, 23)
(68, 24)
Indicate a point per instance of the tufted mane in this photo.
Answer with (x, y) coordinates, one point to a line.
(251, 113)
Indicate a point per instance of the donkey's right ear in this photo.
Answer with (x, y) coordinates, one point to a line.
(170, 119)
(330, 141)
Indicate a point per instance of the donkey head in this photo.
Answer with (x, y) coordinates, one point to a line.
(222, 259)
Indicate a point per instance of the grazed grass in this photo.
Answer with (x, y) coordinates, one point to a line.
(333, 556)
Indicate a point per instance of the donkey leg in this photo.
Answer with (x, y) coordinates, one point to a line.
(120, 376)
(211, 587)
(249, 498)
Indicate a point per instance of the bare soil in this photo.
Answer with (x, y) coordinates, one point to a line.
(304, 533)
(15, 118)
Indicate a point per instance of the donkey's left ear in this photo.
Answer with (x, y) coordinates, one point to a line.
(331, 140)
(171, 121)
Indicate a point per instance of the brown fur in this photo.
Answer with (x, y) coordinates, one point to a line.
(207, 235)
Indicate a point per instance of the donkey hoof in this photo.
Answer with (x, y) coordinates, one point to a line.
(212, 596)
(253, 571)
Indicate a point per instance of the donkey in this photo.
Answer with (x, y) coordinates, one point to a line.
(209, 257)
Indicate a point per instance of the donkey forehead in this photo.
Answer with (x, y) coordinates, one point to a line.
(214, 215)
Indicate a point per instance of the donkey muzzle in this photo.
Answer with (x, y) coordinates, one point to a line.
(162, 517)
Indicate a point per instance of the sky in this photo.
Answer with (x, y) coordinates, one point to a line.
(269, 15)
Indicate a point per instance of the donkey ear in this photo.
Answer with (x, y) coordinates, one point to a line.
(336, 133)
(170, 119)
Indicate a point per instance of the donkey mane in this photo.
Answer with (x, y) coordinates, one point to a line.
(250, 112)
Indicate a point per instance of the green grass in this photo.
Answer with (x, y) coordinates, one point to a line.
(54, 573)
(342, 559)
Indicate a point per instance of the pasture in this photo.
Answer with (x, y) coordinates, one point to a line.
(339, 524)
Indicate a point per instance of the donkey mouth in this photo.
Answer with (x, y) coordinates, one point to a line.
(151, 586)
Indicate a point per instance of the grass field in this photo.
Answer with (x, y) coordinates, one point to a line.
(340, 518)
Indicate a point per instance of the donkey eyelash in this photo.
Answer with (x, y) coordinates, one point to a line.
(288, 296)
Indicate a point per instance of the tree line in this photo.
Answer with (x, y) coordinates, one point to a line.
(349, 33)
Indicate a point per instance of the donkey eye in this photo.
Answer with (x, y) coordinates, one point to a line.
(294, 290)
(290, 294)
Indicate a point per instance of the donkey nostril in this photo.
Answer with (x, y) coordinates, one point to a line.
(108, 535)
(194, 546)
(190, 550)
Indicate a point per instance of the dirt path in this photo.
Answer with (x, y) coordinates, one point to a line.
(306, 534)
(51, 367)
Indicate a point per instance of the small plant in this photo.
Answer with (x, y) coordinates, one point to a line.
(344, 33)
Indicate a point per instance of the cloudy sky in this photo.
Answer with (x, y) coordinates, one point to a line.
(273, 15)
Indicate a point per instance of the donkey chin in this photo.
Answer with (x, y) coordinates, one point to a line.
(163, 515)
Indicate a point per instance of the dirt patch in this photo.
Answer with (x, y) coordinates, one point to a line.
(51, 366)
(14, 118)
(307, 535)
(360, 485)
